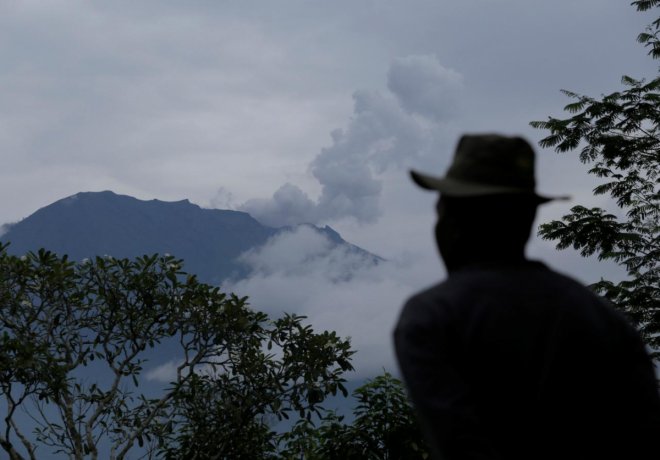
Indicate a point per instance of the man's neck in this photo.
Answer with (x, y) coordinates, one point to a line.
(493, 259)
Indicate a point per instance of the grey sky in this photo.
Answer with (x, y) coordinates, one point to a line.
(229, 103)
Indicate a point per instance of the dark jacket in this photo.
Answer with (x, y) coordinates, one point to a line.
(518, 362)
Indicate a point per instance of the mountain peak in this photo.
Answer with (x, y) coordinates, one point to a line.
(109, 195)
(88, 224)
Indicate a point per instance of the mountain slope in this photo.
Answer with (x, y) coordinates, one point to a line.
(99, 223)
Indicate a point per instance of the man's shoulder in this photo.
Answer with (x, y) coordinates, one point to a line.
(422, 307)
(431, 296)
(530, 281)
(528, 275)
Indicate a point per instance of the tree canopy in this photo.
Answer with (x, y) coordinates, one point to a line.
(384, 428)
(74, 339)
(618, 135)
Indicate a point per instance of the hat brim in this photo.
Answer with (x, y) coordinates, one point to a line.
(458, 188)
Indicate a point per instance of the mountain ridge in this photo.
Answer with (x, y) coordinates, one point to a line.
(210, 241)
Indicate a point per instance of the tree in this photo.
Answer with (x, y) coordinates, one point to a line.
(228, 412)
(74, 338)
(619, 136)
(384, 427)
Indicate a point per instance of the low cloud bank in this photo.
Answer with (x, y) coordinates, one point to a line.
(305, 250)
(303, 272)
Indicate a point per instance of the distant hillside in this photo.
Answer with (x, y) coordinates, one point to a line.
(104, 223)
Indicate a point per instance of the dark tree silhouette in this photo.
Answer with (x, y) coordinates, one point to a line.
(618, 135)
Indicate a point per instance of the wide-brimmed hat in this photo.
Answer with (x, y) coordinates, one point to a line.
(487, 164)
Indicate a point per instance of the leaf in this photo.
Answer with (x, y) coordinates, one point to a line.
(574, 107)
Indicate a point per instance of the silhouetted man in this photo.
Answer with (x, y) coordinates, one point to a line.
(507, 359)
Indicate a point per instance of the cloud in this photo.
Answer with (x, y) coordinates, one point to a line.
(223, 199)
(388, 129)
(288, 206)
(165, 372)
(425, 87)
(306, 250)
(304, 272)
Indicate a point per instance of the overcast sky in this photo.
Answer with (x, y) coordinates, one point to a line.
(300, 111)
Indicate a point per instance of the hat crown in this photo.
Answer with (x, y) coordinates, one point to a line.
(494, 160)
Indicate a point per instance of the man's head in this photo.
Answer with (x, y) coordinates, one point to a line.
(488, 228)
(488, 200)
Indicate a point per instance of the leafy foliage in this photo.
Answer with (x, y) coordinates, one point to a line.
(384, 428)
(618, 135)
(62, 322)
(228, 411)
(650, 37)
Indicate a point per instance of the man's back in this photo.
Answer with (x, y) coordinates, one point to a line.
(517, 361)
